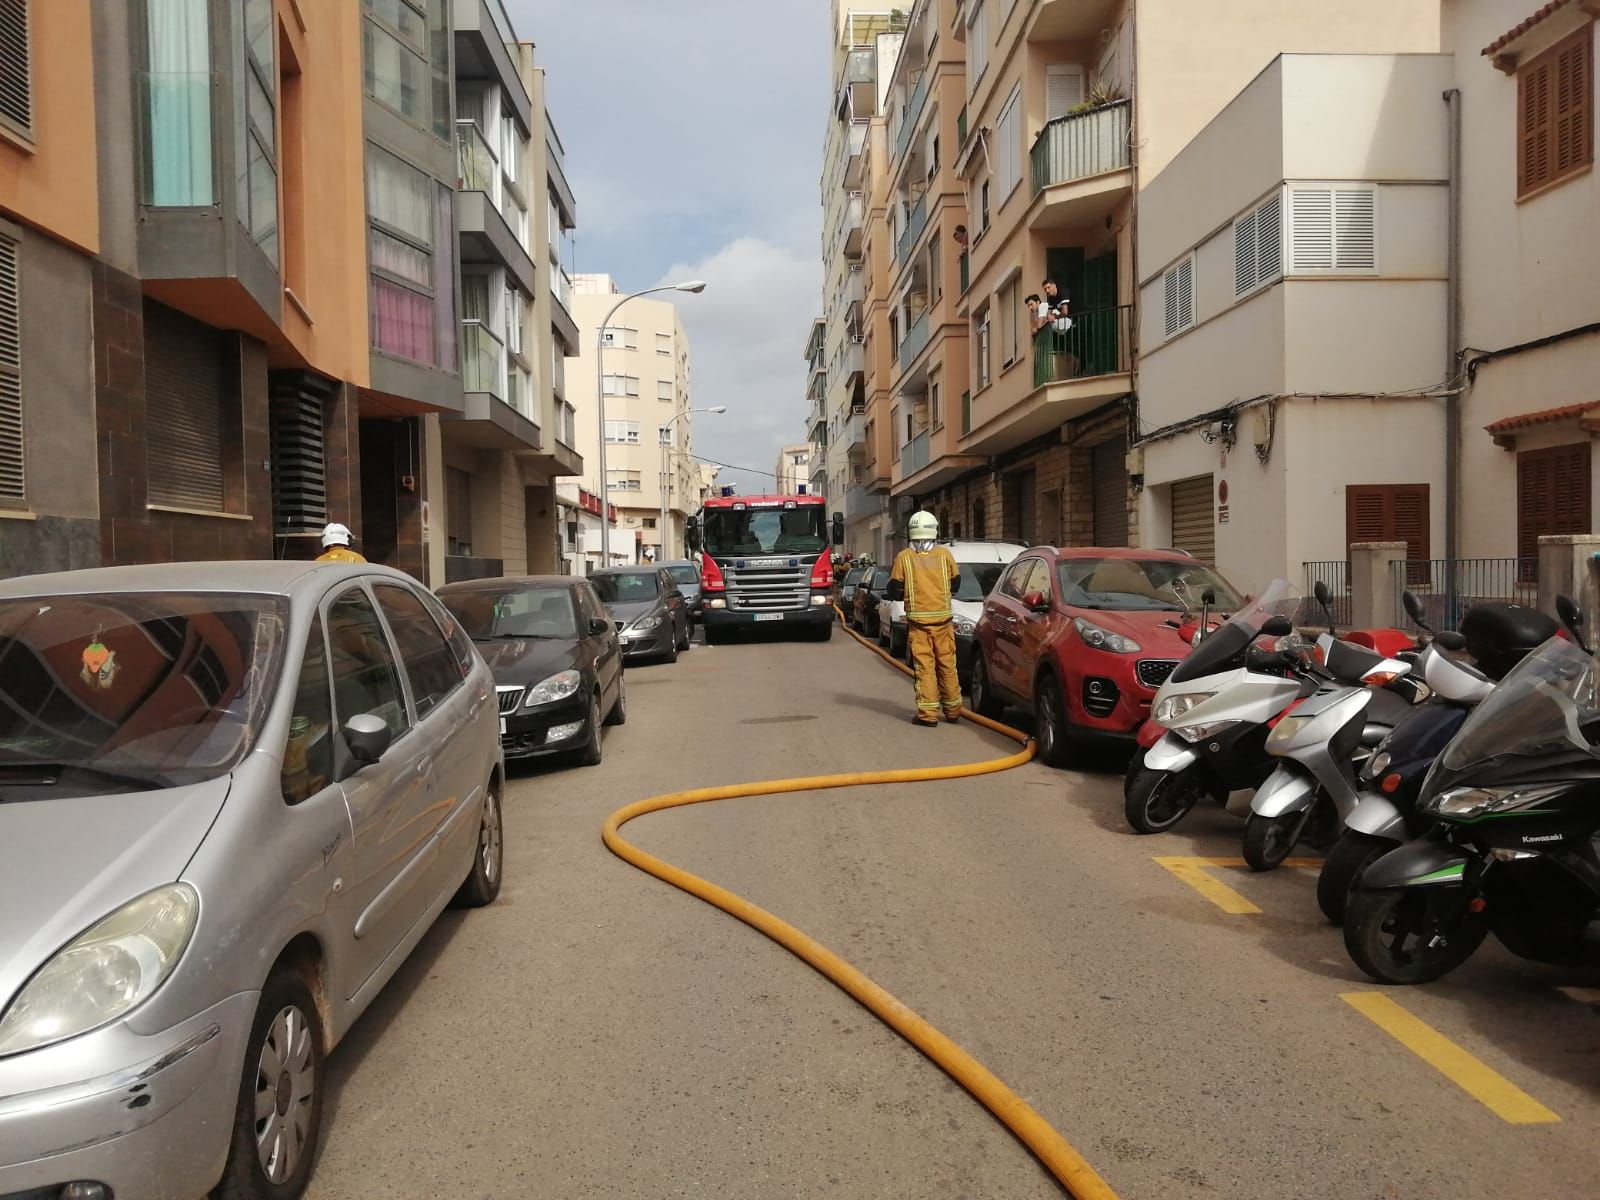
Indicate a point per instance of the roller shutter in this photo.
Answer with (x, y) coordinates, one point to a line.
(183, 389)
(1193, 527)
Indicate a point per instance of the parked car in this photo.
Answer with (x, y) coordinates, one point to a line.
(648, 608)
(686, 575)
(981, 564)
(233, 797)
(847, 591)
(1083, 638)
(868, 592)
(556, 658)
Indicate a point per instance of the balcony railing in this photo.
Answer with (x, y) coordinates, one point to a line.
(561, 287)
(854, 430)
(483, 360)
(913, 343)
(914, 454)
(858, 502)
(476, 163)
(1097, 344)
(919, 97)
(915, 224)
(1075, 147)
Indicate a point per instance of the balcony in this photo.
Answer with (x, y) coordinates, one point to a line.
(854, 225)
(1081, 166)
(858, 503)
(852, 363)
(1070, 20)
(486, 235)
(914, 107)
(858, 85)
(855, 155)
(853, 433)
(914, 455)
(915, 224)
(914, 342)
(485, 45)
(1097, 344)
(499, 406)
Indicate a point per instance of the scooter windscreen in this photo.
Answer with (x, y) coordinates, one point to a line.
(1226, 647)
(1548, 706)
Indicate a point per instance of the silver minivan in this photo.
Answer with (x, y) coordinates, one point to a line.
(233, 797)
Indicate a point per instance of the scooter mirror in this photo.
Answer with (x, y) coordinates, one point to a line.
(1414, 609)
(1321, 592)
(1277, 627)
(1208, 597)
(1572, 617)
(1449, 639)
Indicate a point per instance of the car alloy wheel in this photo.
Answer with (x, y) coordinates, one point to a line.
(490, 840)
(285, 1086)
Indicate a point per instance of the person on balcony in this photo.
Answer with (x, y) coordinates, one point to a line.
(1050, 325)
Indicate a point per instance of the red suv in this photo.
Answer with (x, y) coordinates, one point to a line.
(1084, 637)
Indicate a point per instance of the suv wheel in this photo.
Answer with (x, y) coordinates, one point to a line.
(1055, 740)
(984, 702)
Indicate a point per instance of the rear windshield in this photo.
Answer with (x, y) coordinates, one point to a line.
(684, 573)
(120, 693)
(880, 579)
(491, 614)
(978, 579)
(626, 589)
(853, 576)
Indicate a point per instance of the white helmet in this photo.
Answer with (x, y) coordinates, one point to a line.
(924, 526)
(335, 534)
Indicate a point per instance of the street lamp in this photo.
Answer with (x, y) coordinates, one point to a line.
(693, 285)
(669, 474)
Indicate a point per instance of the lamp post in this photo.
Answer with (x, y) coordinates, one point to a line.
(693, 285)
(668, 475)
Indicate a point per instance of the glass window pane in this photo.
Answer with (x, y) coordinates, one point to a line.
(177, 101)
(439, 38)
(395, 75)
(258, 32)
(400, 196)
(429, 665)
(401, 258)
(263, 201)
(364, 676)
(308, 754)
(445, 239)
(402, 321)
(260, 108)
(403, 18)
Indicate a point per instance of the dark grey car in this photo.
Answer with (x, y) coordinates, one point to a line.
(687, 576)
(651, 615)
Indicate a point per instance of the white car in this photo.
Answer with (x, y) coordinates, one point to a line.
(981, 564)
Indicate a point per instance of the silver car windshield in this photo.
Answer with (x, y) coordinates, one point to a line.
(1542, 707)
(133, 691)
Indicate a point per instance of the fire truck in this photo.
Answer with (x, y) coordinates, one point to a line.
(766, 559)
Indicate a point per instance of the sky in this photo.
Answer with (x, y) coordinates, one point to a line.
(693, 135)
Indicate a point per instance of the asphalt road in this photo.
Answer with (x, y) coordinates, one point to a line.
(597, 1033)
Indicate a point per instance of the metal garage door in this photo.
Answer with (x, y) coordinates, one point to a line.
(1110, 493)
(1192, 527)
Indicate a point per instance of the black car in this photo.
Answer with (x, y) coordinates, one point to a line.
(869, 591)
(649, 609)
(847, 590)
(556, 658)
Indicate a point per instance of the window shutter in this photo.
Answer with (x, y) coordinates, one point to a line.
(16, 90)
(1244, 254)
(1355, 232)
(1553, 494)
(1269, 239)
(1063, 89)
(13, 479)
(1311, 211)
(183, 411)
(1574, 97)
(1388, 512)
(1533, 128)
(1178, 286)
(299, 458)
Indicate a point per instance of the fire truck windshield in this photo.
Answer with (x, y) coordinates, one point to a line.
(765, 531)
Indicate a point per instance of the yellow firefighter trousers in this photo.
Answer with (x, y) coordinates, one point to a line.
(933, 658)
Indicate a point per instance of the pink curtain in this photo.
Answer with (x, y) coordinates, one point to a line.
(402, 322)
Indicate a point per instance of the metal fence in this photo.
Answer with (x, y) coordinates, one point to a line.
(1083, 144)
(1337, 576)
(1448, 587)
(1096, 344)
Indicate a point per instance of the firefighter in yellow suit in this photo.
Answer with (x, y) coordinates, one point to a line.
(925, 576)
(336, 545)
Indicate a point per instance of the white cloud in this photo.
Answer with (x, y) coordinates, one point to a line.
(747, 334)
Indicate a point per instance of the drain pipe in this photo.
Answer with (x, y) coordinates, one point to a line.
(1452, 333)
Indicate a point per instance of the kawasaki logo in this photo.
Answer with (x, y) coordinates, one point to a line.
(1549, 837)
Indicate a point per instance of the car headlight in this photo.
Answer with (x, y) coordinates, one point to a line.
(104, 972)
(1171, 708)
(1287, 728)
(964, 627)
(1104, 639)
(1466, 804)
(647, 623)
(558, 687)
(1198, 733)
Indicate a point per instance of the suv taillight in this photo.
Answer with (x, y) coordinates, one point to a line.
(822, 573)
(711, 576)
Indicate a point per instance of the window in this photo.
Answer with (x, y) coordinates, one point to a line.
(1555, 113)
(664, 435)
(407, 215)
(1008, 145)
(460, 643)
(395, 42)
(980, 518)
(618, 337)
(364, 676)
(650, 522)
(935, 409)
(620, 385)
(977, 43)
(1258, 246)
(16, 90)
(1333, 229)
(514, 320)
(1015, 583)
(1008, 324)
(308, 753)
(983, 206)
(177, 103)
(663, 343)
(187, 427)
(623, 481)
(1553, 495)
(430, 666)
(983, 366)
(623, 431)
(259, 208)
(935, 272)
(1063, 89)
(13, 477)
(1177, 287)
(664, 389)
(1388, 512)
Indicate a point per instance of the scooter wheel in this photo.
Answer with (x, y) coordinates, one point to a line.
(1387, 936)
(1352, 854)
(1155, 801)
(1268, 840)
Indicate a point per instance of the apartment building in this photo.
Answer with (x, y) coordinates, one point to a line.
(500, 456)
(1051, 118)
(866, 45)
(793, 471)
(653, 480)
(880, 358)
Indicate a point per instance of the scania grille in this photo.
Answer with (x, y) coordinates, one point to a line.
(1153, 672)
(768, 589)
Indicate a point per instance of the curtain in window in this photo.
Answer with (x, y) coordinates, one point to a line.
(400, 196)
(178, 171)
(402, 321)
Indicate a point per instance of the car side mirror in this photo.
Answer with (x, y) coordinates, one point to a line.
(597, 626)
(1035, 602)
(691, 534)
(368, 737)
(1277, 627)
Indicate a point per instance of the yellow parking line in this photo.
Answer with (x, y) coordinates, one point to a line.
(1487, 1086)
(1193, 871)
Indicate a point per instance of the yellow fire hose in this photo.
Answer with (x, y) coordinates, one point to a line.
(1058, 1156)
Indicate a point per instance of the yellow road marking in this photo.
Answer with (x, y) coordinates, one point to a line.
(1193, 871)
(1485, 1085)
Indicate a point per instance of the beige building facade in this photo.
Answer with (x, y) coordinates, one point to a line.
(793, 469)
(653, 480)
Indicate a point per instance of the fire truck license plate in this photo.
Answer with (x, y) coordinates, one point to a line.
(769, 616)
